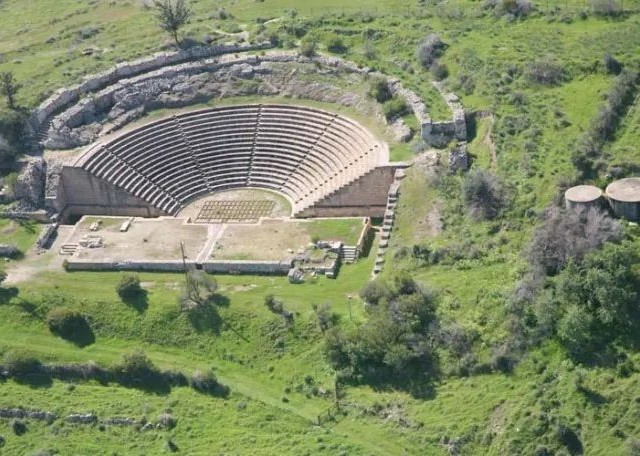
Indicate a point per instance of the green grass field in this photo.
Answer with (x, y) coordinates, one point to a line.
(279, 379)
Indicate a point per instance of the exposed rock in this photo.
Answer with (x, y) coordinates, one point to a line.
(22, 413)
(30, 183)
(88, 418)
(459, 158)
(401, 130)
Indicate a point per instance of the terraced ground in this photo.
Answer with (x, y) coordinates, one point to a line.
(279, 378)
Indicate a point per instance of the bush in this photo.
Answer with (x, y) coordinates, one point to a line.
(394, 108)
(19, 363)
(308, 47)
(65, 322)
(439, 71)
(482, 194)
(517, 8)
(545, 72)
(136, 368)
(569, 235)
(167, 421)
(19, 427)
(206, 382)
(612, 65)
(128, 286)
(430, 49)
(379, 89)
(336, 45)
(632, 446)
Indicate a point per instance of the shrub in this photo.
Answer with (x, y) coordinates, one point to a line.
(3, 441)
(19, 427)
(632, 446)
(545, 72)
(606, 7)
(394, 108)
(430, 49)
(206, 382)
(379, 89)
(128, 286)
(136, 368)
(65, 322)
(611, 64)
(308, 47)
(439, 71)
(517, 8)
(167, 421)
(482, 194)
(570, 234)
(273, 304)
(19, 363)
(199, 292)
(336, 45)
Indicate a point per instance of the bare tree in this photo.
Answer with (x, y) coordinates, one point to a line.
(199, 291)
(172, 15)
(9, 88)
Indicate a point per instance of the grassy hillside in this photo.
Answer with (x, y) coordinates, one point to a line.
(484, 393)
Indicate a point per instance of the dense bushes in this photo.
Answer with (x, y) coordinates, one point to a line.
(395, 340)
(394, 108)
(379, 89)
(482, 194)
(12, 134)
(587, 154)
(545, 72)
(70, 325)
(430, 49)
(128, 286)
(517, 8)
(568, 235)
(20, 363)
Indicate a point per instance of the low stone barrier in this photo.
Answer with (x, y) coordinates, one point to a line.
(211, 267)
(247, 267)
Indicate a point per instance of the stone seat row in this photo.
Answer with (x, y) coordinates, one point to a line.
(301, 152)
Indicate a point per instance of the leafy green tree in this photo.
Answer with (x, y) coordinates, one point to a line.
(200, 290)
(128, 286)
(9, 88)
(172, 15)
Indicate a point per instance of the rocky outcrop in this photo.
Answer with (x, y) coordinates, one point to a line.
(30, 184)
(459, 158)
(401, 131)
(21, 413)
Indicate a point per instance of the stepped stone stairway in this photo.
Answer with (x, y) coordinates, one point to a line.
(388, 222)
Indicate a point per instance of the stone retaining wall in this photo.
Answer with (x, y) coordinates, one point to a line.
(211, 267)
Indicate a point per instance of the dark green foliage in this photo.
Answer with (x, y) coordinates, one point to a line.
(517, 8)
(325, 318)
(482, 194)
(206, 382)
(568, 437)
(3, 442)
(594, 302)
(570, 234)
(3, 276)
(273, 304)
(632, 446)
(70, 325)
(336, 45)
(19, 363)
(308, 47)
(12, 133)
(439, 71)
(172, 15)
(9, 88)
(430, 49)
(612, 65)
(19, 427)
(545, 72)
(200, 291)
(138, 370)
(587, 156)
(394, 108)
(396, 340)
(128, 286)
(379, 90)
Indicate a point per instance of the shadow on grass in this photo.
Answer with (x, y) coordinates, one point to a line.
(138, 301)
(205, 318)
(7, 294)
(83, 335)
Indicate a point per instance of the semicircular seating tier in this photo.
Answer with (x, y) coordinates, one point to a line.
(303, 153)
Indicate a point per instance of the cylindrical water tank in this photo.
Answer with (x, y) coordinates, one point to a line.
(624, 198)
(583, 196)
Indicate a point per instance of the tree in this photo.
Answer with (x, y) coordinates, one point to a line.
(172, 15)
(483, 195)
(128, 286)
(199, 291)
(9, 88)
